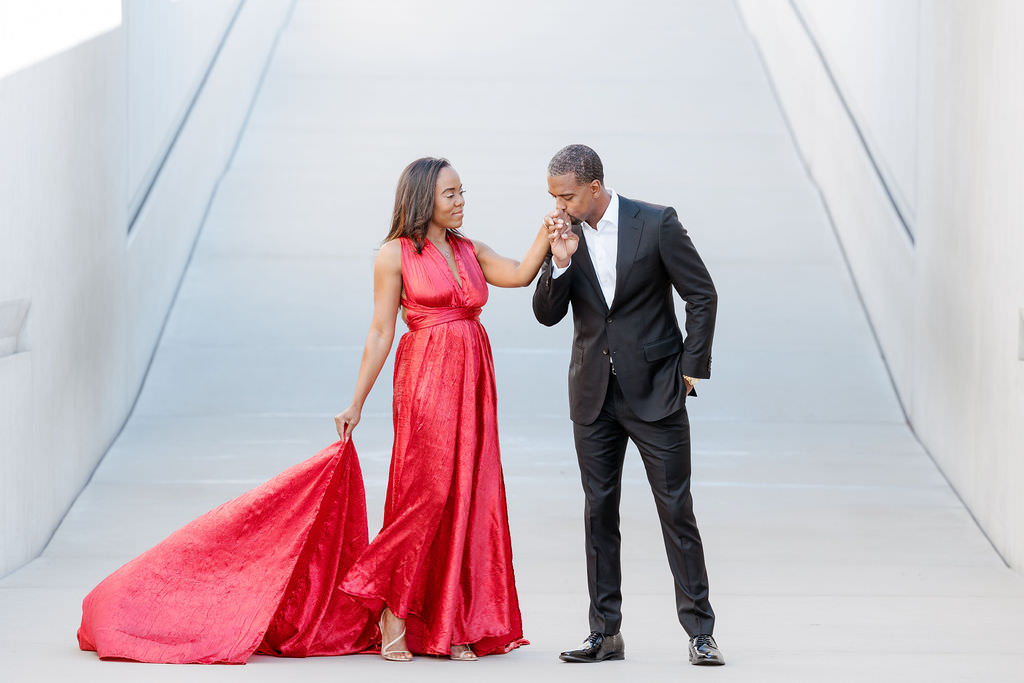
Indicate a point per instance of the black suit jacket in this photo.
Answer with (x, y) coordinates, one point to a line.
(639, 331)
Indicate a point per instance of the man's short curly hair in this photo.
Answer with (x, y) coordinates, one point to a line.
(579, 160)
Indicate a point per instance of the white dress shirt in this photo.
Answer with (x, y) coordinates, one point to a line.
(603, 246)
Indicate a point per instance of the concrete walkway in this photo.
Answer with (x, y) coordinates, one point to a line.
(836, 550)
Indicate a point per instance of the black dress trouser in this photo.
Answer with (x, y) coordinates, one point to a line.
(665, 448)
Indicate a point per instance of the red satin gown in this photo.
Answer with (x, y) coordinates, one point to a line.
(286, 569)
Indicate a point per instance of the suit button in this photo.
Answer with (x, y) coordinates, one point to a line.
(608, 320)
(604, 351)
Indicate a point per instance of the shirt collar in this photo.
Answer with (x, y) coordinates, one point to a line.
(611, 213)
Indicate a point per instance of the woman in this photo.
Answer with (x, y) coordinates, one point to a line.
(441, 567)
(261, 573)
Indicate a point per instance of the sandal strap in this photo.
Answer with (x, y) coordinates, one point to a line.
(385, 650)
(466, 652)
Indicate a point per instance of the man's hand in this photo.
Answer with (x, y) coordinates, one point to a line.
(563, 240)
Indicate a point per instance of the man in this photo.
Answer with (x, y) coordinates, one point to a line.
(630, 373)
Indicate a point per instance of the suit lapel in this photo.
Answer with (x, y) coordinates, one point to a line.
(582, 256)
(630, 229)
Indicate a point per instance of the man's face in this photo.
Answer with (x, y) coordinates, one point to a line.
(573, 198)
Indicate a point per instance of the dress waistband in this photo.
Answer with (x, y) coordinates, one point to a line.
(421, 317)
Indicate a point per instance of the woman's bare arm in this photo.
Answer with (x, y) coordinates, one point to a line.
(502, 271)
(387, 293)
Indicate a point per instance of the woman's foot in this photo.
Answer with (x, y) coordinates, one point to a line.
(462, 653)
(392, 638)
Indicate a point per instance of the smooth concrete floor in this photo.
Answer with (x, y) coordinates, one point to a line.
(836, 550)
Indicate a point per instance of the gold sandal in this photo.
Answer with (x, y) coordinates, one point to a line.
(466, 655)
(392, 655)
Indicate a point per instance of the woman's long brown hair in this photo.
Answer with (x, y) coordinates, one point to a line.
(414, 201)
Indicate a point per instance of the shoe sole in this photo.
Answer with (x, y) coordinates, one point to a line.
(705, 662)
(587, 660)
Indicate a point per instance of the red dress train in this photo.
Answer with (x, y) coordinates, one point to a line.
(286, 569)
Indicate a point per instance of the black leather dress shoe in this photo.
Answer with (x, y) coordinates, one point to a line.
(597, 648)
(704, 651)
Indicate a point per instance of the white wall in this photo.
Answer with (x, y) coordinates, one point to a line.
(97, 296)
(871, 47)
(934, 88)
(170, 46)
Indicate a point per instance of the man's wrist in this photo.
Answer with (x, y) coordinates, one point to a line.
(692, 381)
(557, 270)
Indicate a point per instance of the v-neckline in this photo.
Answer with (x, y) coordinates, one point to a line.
(456, 274)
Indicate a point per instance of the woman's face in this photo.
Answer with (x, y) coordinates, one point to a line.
(448, 199)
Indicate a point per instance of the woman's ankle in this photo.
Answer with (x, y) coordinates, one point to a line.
(392, 620)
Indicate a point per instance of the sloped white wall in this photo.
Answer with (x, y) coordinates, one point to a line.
(170, 46)
(96, 296)
(934, 89)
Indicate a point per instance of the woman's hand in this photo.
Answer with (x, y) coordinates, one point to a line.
(563, 240)
(346, 421)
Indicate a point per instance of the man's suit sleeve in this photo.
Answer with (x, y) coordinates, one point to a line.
(692, 281)
(551, 297)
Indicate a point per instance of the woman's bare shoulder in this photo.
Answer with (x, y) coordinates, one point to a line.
(390, 255)
(478, 246)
